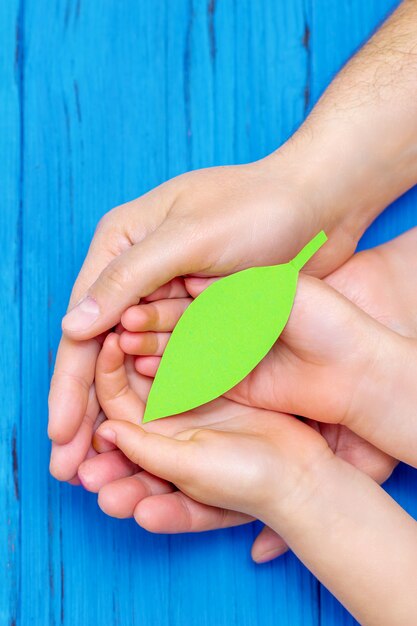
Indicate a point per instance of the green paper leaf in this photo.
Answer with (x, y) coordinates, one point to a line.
(224, 333)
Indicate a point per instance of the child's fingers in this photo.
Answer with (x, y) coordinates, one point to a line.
(167, 458)
(104, 468)
(268, 545)
(175, 288)
(147, 365)
(160, 316)
(196, 284)
(177, 513)
(120, 497)
(117, 399)
(144, 343)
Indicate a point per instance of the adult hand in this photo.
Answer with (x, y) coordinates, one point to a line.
(378, 280)
(220, 220)
(208, 222)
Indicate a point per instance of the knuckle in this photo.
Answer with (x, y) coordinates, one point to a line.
(117, 276)
(63, 377)
(199, 435)
(111, 233)
(105, 223)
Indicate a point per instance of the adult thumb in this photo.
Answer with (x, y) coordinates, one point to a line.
(135, 273)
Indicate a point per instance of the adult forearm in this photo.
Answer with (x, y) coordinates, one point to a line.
(358, 147)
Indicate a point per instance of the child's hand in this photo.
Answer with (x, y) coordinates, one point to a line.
(227, 437)
(175, 512)
(272, 466)
(364, 280)
(360, 279)
(325, 364)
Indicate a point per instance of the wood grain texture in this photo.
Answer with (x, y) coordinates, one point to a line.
(101, 100)
(10, 308)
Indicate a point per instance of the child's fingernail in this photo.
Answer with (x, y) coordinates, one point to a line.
(108, 434)
(82, 316)
(264, 557)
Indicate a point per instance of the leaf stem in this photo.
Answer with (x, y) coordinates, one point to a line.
(309, 249)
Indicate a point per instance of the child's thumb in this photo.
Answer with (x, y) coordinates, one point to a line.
(157, 454)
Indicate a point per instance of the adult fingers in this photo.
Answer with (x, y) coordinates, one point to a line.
(177, 513)
(75, 482)
(268, 545)
(118, 230)
(70, 387)
(159, 508)
(75, 363)
(65, 458)
(120, 497)
(104, 468)
(135, 273)
(355, 450)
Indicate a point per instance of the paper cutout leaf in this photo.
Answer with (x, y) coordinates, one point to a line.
(224, 333)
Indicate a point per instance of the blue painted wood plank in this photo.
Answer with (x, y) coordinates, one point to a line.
(126, 97)
(117, 97)
(337, 30)
(10, 238)
(41, 564)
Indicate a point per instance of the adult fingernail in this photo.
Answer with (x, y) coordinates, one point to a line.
(81, 316)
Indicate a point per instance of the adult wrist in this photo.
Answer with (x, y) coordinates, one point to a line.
(348, 171)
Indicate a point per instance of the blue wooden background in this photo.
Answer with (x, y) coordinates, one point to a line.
(101, 100)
